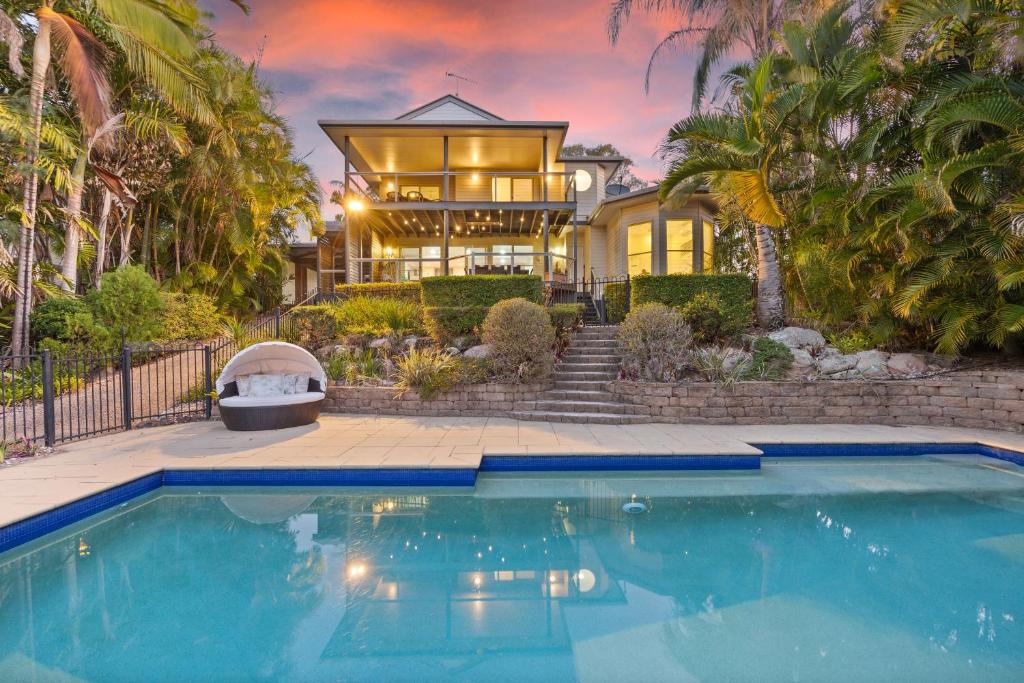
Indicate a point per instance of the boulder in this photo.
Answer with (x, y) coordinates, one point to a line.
(831, 364)
(872, 364)
(325, 352)
(464, 342)
(735, 358)
(414, 342)
(799, 338)
(480, 351)
(802, 359)
(452, 351)
(907, 364)
(381, 345)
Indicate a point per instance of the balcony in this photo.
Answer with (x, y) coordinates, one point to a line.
(410, 264)
(447, 189)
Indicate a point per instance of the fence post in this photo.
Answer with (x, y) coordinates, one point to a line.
(277, 322)
(208, 379)
(126, 385)
(49, 423)
(629, 293)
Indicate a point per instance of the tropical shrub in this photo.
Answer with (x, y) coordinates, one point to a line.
(407, 291)
(312, 327)
(615, 302)
(129, 299)
(711, 321)
(522, 336)
(851, 341)
(771, 360)
(721, 363)
(655, 342)
(191, 316)
(430, 372)
(82, 333)
(379, 317)
(49, 317)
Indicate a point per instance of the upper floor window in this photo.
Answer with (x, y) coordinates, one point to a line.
(679, 246)
(638, 248)
(507, 189)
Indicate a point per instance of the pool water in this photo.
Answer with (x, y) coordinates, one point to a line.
(903, 569)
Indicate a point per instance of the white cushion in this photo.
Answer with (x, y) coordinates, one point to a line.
(296, 383)
(266, 385)
(242, 382)
(279, 400)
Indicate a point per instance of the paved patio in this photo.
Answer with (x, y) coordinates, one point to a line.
(359, 441)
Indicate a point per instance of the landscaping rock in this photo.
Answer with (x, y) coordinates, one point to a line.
(414, 342)
(872, 364)
(381, 345)
(480, 351)
(802, 359)
(325, 352)
(833, 363)
(799, 338)
(464, 342)
(452, 351)
(734, 358)
(907, 364)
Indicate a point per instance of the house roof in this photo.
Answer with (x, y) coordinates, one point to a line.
(448, 99)
(633, 198)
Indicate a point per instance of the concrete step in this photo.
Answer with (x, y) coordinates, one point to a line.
(578, 418)
(559, 376)
(575, 365)
(590, 407)
(577, 395)
(603, 345)
(580, 385)
(569, 356)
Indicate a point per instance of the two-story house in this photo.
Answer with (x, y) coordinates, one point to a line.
(450, 188)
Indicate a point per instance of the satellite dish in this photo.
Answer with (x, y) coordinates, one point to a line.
(615, 189)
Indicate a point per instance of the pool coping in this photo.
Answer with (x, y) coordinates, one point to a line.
(34, 526)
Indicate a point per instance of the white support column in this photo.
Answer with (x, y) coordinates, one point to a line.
(447, 213)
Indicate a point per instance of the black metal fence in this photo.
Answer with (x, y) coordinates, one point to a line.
(50, 399)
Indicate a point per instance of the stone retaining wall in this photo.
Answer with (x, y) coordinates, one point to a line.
(988, 399)
(973, 399)
(476, 400)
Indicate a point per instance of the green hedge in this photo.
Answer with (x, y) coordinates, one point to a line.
(444, 323)
(480, 290)
(312, 327)
(615, 301)
(407, 291)
(677, 290)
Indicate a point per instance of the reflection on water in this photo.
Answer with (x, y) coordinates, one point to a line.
(429, 585)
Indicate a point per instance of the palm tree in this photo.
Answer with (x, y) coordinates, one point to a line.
(719, 25)
(737, 155)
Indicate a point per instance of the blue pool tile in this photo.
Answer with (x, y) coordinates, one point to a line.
(322, 477)
(861, 450)
(616, 463)
(39, 525)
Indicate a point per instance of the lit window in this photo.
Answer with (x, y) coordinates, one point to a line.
(679, 242)
(638, 248)
(709, 246)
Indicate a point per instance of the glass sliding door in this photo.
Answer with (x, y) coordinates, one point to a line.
(410, 269)
(431, 264)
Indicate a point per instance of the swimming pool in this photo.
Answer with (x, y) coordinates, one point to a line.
(809, 569)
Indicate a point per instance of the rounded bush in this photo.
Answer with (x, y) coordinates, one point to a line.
(711, 321)
(49, 319)
(129, 299)
(655, 342)
(191, 316)
(522, 336)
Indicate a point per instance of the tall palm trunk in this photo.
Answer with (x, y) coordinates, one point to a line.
(771, 313)
(101, 238)
(26, 241)
(73, 231)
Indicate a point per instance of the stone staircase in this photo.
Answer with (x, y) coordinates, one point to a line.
(579, 391)
(591, 316)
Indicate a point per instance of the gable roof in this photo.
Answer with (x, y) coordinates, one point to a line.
(447, 102)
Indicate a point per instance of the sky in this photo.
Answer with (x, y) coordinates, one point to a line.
(531, 60)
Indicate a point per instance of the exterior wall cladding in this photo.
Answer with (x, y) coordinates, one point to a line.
(986, 399)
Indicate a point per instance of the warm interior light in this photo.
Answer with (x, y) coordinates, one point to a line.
(475, 177)
(354, 205)
(356, 570)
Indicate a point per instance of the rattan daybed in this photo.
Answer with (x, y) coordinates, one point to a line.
(263, 407)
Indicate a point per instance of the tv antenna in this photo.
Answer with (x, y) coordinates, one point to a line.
(458, 80)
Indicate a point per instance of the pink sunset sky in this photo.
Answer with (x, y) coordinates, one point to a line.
(532, 59)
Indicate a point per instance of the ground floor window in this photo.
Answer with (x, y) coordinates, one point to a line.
(679, 243)
(638, 248)
(709, 246)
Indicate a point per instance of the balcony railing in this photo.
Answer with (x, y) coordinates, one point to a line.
(489, 263)
(464, 186)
